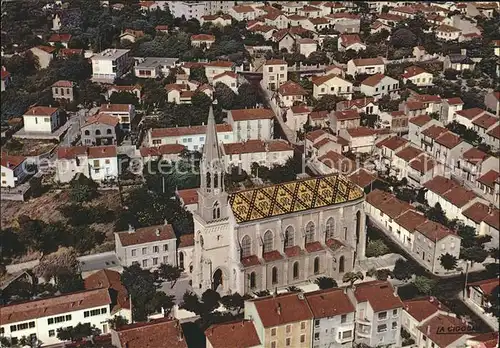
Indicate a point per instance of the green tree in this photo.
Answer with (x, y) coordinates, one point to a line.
(262, 293)
(424, 285)
(248, 96)
(162, 301)
(327, 102)
(376, 247)
(124, 98)
(325, 283)
(403, 269)
(225, 96)
(437, 214)
(352, 277)
(169, 273)
(191, 303)
(117, 321)
(201, 101)
(141, 286)
(493, 253)
(82, 189)
(473, 254)
(198, 74)
(78, 332)
(69, 283)
(493, 299)
(403, 38)
(61, 263)
(293, 288)
(234, 302)
(211, 299)
(448, 261)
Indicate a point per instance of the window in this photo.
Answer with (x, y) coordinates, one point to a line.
(252, 280)
(394, 312)
(96, 163)
(87, 132)
(157, 142)
(134, 252)
(273, 344)
(268, 241)
(144, 251)
(289, 237)
(270, 69)
(97, 132)
(52, 333)
(343, 319)
(316, 336)
(282, 68)
(13, 328)
(341, 264)
(394, 325)
(288, 328)
(68, 318)
(216, 210)
(50, 321)
(302, 325)
(156, 249)
(382, 328)
(274, 275)
(346, 334)
(302, 338)
(310, 232)
(273, 331)
(144, 263)
(316, 323)
(155, 261)
(288, 342)
(165, 259)
(296, 270)
(316, 265)
(246, 247)
(382, 315)
(46, 119)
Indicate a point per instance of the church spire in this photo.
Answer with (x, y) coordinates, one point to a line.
(211, 150)
(212, 170)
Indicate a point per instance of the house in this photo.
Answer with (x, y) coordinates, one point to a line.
(179, 93)
(296, 117)
(124, 112)
(474, 163)
(158, 333)
(492, 102)
(227, 78)
(42, 318)
(431, 103)
(220, 20)
(419, 310)
(484, 9)
(252, 124)
(6, 78)
(396, 121)
(387, 148)
(485, 219)
(390, 19)
(364, 179)
(166, 152)
(192, 137)
(380, 85)
(447, 32)
(266, 153)
(60, 39)
(401, 161)
(103, 163)
(479, 293)
(466, 116)
(334, 70)
(274, 74)
(365, 66)
(131, 35)
(318, 142)
(317, 24)
(378, 26)
(14, 170)
(100, 129)
(282, 320)
(243, 12)
(448, 148)
(417, 76)
(428, 336)
(147, 246)
(319, 118)
(428, 138)
(344, 120)
(242, 334)
(487, 340)
(45, 54)
(135, 90)
(188, 198)
(42, 119)
(334, 317)
(362, 105)
(483, 124)
(310, 11)
(153, 67)
(350, 42)
(202, 40)
(290, 93)
(449, 109)
(489, 184)
(345, 22)
(63, 91)
(306, 46)
(331, 84)
(378, 313)
(265, 30)
(493, 137)
(459, 62)
(404, 11)
(216, 68)
(285, 39)
(68, 52)
(110, 64)
(360, 139)
(416, 125)
(333, 162)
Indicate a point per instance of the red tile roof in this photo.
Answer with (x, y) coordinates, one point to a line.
(379, 294)
(423, 163)
(300, 109)
(41, 111)
(454, 101)
(368, 61)
(251, 114)
(387, 203)
(104, 151)
(495, 132)
(318, 115)
(60, 38)
(392, 143)
(329, 303)
(202, 37)
(449, 140)
(439, 184)
(11, 162)
(423, 308)
(356, 103)
(243, 9)
(489, 339)
(190, 130)
(146, 235)
(443, 322)
(410, 220)
(71, 152)
(109, 279)
(338, 162)
(102, 118)
(249, 261)
(165, 149)
(115, 108)
(319, 80)
(188, 196)
(360, 132)
(420, 120)
(409, 153)
(474, 155)
(470, 113)
(272, 256)
(413, 71)
(62, 83)
(255, 146)
(485, 121)
(362, 178)
(221, 64)
(350, 39)
(186, 240)
(4, 74)
(282, 309)
(46, 49)
(291, 88)
(275, 62)
(373, 80)
(479, 212)
(315, 134)
(160, 333)
(347, 115)
(434, 131)
(236, 334)
(489, 178)
(434, 231)
(459, 196)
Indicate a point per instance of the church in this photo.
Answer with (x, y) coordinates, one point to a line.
(273, 236)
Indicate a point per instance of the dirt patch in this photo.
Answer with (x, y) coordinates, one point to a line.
(28, 147)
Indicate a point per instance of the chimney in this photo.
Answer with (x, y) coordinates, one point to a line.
(345, 290)
(165, 222)
(131, 228)
(157, 232)
(428, 332)
(395, 291)
(278, 309)
(431, 299)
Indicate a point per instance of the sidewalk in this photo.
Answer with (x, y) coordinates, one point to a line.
(489, 319)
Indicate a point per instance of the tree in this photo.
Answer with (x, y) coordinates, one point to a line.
(293, 288)
(141, 286)
(162, 301)
(262, 293)
(424, 285)
(451, 74)
(191, 303)
(403, 38)
(325, 283)
(437, 214)
(69, 283)
(225, 96)
(327, 102)
(169, 273)
(248, 96)
(117, 321)
(82, 189)
(233, 302)
(467, 233)
(210, 300)
(493, 299)
(198, 74)
(376, 247)
(494, 253)
(448, 261)
(77, 333)
(63, 262)
(403, 269)
(201, 101)
(352, 277)
(473, 254)
(123, 97)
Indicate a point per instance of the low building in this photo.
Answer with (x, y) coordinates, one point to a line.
(449, 109)
(368, 66)
(485, 219)
(100, 129)
(216, 68)
(483, 124)
(472, 164)
(362, 105)
(290, 93)
(42, 119)
(417, 76)
(331, 84)
(241, 334)
(135, 90)
(489, 184)
(428, 336)
(417, 125)
(124, 112)
(344, 120)
(479, 293)
(228, 78)
(14, 170)
(274, 74)
(296, 117)
(380, 85)
(360, 139)
(147, 246)
(350, 42)
(202, 40)
(459, 62)
(467, 116)
(153, 67)
(396, 121)
(250, 124)
(307, 46)
(63, 91)
(167, 152)
(220, 20)
(131, 35)
(492, 102)
(447, 32)
(419, 310)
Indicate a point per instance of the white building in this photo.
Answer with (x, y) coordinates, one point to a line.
(365, 66)
(124, 112)
(103, 163)
(296, 117)
(380, 85)
(447, 32)
(227, 78)
(360, 139)
(419, 310)
(243, 12)
(291, 93)
(217, 20)
(110, 64)
(417, 76)
(449, 108)
(148, 246)
(331, 84)
(42, 119)
(252, 124)
(13, 171)
(192, 137)
(198, 9)
(218, 67)
(307, 46)
(350, 42)
(274, 74)
(265, 153)
(153, 67)
(201, 40)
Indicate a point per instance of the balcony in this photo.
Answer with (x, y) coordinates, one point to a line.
(363, 321)
(364, 332)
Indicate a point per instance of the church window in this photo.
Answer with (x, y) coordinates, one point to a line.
(252, 280)
(274, 275)
(289, 237)
(246, 247)
(316, 265)
(268, 241)
(330, 229)
(310, 232)
(216, 211)
(201, 241)
(341, 264)
(296, 270)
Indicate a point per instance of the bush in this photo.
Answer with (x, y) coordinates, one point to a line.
(376, 248)
(83, 189)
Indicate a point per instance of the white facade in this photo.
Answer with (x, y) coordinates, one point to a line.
(274, 74)
(110, 64)
(198, 9)
(229, 80)
(193, 138)
(103, 168)
(421, 80)
(13, 171)
(386, 86)
(124, 112)
(365, 66)
(215, 68)
(248, 126)
(41, 120)
(331, 84)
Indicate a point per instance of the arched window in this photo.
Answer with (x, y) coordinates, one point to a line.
(289, 237)
(201, 241)
(316, 265)
(216, 211)
(109, 131)
(97, 132)
(358, 225)
(268, 241)
(252, 280)
(87, 132)
(341, 264)
(274, 275)
(310, 232)
(246, 247)
(296, 270)
(330, 229)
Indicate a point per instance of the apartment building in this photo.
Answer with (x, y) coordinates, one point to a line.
(344, 120)
(42, 119)
(14, 170)
(274, 74)
(250, 124)
(282, 320)
(103, 162)
(124, 112)
(192, 137)
(110, 64)
(378, 313)
(147, 246)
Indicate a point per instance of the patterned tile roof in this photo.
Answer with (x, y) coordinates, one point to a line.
(294, 196)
